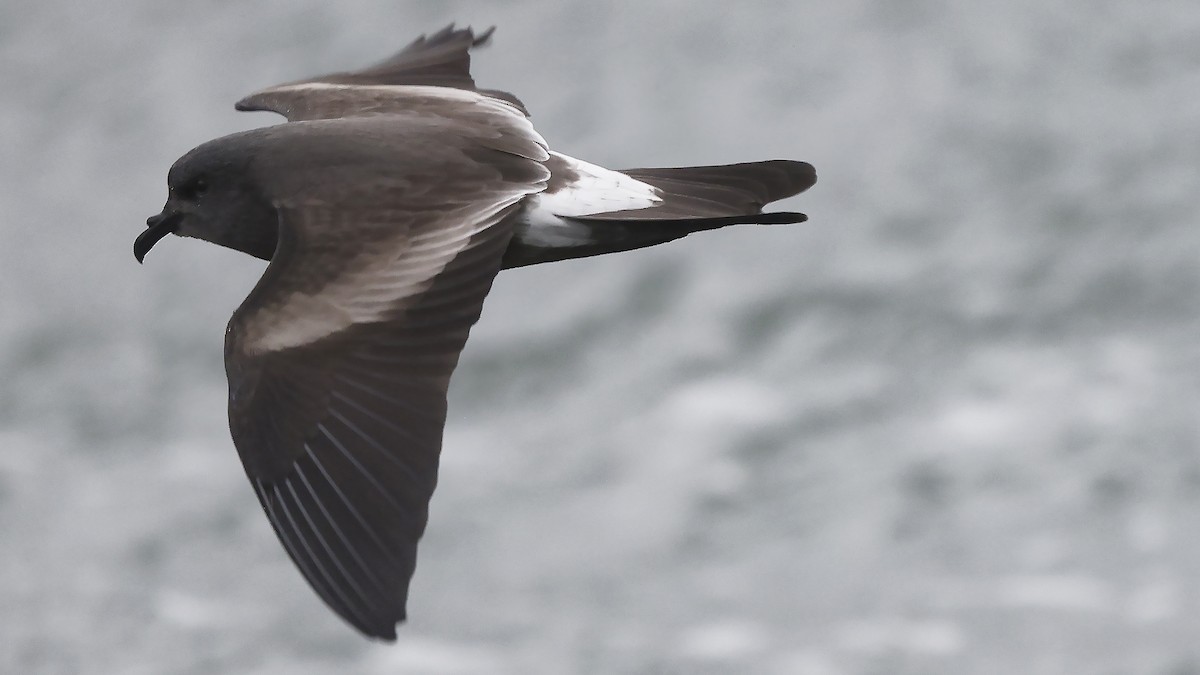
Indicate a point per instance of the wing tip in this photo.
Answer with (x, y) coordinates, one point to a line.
(382, 632)
(256, 102)
(451, 32)
(484, 38)
(380, 627)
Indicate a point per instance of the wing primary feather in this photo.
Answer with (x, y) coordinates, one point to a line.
(341, 535)
(409, 342)
(367, 527)
(330, 552)
(412, 475)
(348, 609)
(285, 537)
(362, 470)
(415, 409)
(375, 417)
(417, 359)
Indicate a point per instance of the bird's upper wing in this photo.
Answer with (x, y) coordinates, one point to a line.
(397, 83)
(339, 359)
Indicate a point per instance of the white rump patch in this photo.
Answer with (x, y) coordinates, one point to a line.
(597, 190)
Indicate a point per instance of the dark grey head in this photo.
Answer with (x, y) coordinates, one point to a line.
(214, 196)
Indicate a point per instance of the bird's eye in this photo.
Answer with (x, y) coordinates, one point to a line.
(199, 187)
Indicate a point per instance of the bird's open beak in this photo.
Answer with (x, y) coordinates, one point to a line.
(157, 227)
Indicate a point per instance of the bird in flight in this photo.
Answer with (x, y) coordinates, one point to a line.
(386, 205)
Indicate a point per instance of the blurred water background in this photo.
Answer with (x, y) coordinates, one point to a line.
(950, 425)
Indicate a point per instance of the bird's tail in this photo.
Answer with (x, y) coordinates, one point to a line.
(719, 191)
(690, 199)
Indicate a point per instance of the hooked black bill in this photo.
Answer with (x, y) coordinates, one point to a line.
(157, 227)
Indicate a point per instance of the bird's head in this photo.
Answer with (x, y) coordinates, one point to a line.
(213, 196)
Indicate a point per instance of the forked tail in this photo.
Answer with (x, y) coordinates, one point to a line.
(588, 210)
(727, 190)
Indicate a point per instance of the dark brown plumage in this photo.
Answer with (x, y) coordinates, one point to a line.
(386, 205)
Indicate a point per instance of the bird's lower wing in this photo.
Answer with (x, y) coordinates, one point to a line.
(338, 366)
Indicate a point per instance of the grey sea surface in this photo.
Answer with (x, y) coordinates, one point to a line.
(949, 425)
